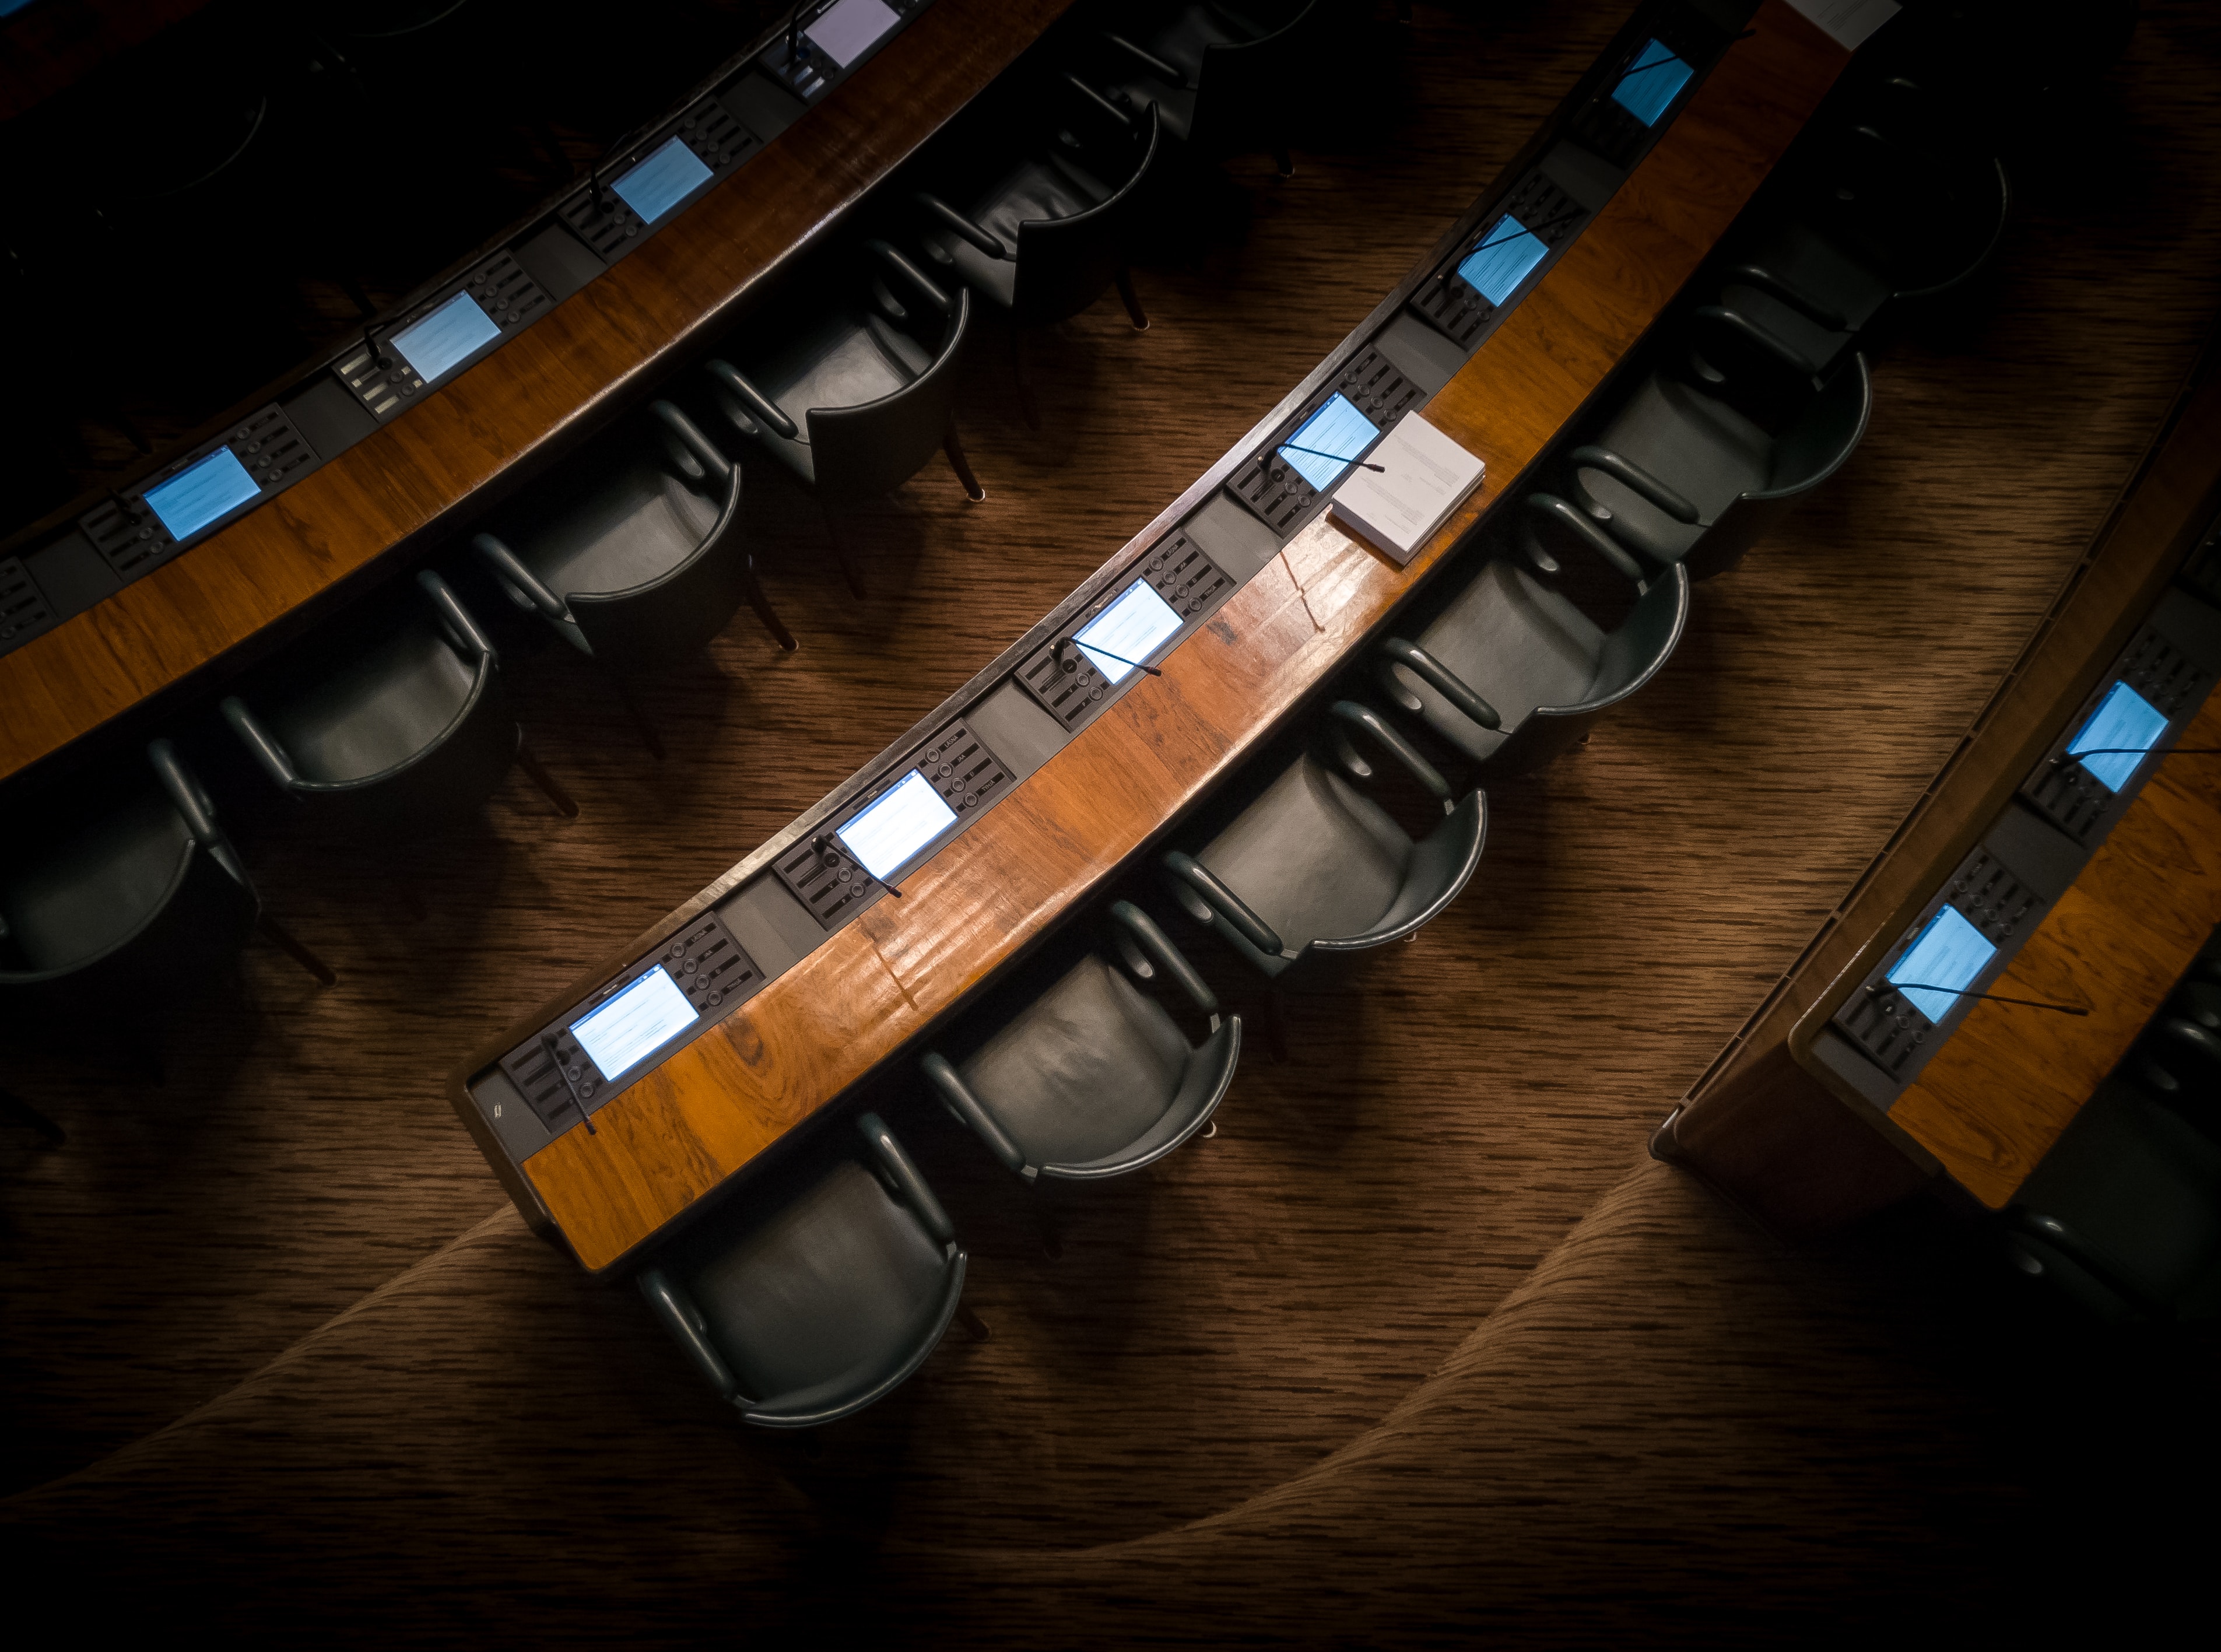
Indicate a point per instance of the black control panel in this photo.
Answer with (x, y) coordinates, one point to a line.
(131, 535)
(1611, 123)
(556, 1077)
(856, 29)
(1536, 207)
(1273, 488)
(24, 609)
(390, 369)
(600, 215)
(1060, 676)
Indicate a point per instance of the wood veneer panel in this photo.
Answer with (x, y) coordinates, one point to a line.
(1996, 1096)
(704, 1113)
(520, 406)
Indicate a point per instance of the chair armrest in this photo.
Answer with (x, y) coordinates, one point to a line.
(187, 795)
(942, 1075)
(1147, 61)
(921, 283)
(957, 224)
(1444, 681)
(1755, 275)
(259, 740)
(1631, 475)
(459, 621)
(519, 579)
(905, 1175)
(686, 1323)
(1166, 956)
(1750, 332)
(1391, 739)
(1097, 102)
(760, 404)
(1228, 906)
(690, 434)
(1549, 507)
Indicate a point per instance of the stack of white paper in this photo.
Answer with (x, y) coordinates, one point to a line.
(1423, 477)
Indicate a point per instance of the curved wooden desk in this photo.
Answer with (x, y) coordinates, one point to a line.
(681, 1131)
(512, 415)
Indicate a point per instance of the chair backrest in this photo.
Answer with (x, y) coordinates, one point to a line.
(1064, 264)
(865, 450)
(674, 616)
(1244, 86)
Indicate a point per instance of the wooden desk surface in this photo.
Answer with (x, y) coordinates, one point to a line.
(2009, 1079)
(514, 413)
(677, 1134)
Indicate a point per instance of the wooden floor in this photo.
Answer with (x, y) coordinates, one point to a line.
(1421, 1343)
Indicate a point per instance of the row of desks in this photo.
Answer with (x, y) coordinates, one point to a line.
(874, 988)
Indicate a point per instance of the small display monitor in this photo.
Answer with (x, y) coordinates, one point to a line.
(1323, 447)
(629, 1026)
(436, 344)
(1651, 83)
(1949, 954)
(1496, 267)
(900, 822)
(1124, 635)
(2120, 731)
(850, 28)
(670, 174)
(204, 491)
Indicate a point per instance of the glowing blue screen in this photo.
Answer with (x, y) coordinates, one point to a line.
(624, 1030)
(1501, 263)
(1337, 429)
(1130, 627)
(446, 336)
(901, 823)
(2124, 718)
(670, 174)
(197, 496)
(1949, 953)
(1652, 82)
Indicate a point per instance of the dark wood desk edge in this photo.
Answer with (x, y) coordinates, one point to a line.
(1763, 1122)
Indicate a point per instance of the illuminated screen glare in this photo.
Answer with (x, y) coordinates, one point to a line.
(1501, 263)
(1949, 953)
(670, 174)
(1651, 83)
(445, 337)
(1337, 429)
(628, 1029)
(201, 493)
(2124, 718)
(1131, 629)
(894, 828)
(849, 29)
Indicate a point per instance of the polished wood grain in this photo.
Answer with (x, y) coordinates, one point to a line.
(516, 411)
(872, 988)
(1996, 1096)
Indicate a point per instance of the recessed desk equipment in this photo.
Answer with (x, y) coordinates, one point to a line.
(1060, 764)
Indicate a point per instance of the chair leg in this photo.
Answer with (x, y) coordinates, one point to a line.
(841, 552)
(1133, 304)
(19, 1111)
(768, 615)
(1283, 160)
(972, 1323)
(648, 737)
(1018, 371)
(528, 760)
(951, 445)
(279, 937)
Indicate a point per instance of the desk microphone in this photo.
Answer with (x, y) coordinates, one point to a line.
(1882, 987)
(1089, 647)
(796, 48)
(547, 1043)
(1316, 452)
(2065, 758)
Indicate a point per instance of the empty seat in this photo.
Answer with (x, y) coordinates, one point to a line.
(1226, 82)
(817, 1291)
(1091, 1079)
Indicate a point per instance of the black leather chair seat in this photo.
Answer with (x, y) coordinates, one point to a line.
(380, 710)
(90, 891)
(1518, 643)
(1699, 445)
(622, 530)
(844, 359)
(1039, 190)
(1313, 856)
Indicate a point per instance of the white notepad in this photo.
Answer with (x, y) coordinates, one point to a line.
(1425, 476)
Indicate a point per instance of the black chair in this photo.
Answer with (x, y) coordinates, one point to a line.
(853, 398)
(1047, 236)
(640, 560)
(1685, 473)
(407, 731)
(1512, 670)
(109, 919)
(821, 1296)
(1226, 84)
(1314, 868)
(2124, 1214)
(1091, 1079)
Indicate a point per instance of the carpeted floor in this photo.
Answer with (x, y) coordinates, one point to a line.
(1420, 1344)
